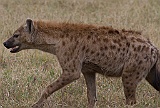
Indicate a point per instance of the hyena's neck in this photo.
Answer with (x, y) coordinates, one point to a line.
(47, 48)
(53, 36)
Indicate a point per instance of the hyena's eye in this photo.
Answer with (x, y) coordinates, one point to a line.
(15, 35)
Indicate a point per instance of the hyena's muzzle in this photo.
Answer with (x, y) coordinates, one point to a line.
(11, 43)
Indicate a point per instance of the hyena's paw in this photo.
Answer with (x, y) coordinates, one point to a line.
(131, 102)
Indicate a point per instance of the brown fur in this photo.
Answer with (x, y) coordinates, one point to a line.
(90, 49)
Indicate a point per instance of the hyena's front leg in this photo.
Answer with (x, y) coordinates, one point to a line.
(89, 71)
(66, 78)
(91, 89)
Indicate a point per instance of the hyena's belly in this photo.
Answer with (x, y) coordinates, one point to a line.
(108, 66)
(115, 71)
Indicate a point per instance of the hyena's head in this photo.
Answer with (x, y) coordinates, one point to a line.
(21, 38)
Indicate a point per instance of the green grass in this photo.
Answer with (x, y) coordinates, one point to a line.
(24, 75)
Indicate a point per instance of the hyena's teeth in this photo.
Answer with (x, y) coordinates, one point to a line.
(17, 47)
(14, 48)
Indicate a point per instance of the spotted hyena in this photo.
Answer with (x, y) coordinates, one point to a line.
(89, 49)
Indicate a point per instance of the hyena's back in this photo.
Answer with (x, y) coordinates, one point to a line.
(118, 52)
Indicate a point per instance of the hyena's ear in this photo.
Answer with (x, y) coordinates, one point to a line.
(30, 25)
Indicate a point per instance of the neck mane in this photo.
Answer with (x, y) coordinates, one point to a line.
(51, 26)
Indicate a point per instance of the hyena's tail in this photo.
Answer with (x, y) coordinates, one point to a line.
(153, 76)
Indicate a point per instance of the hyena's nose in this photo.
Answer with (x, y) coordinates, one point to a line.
(5, 44)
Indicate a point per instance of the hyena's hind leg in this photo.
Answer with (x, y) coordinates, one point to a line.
(130, 82)
(89, 72)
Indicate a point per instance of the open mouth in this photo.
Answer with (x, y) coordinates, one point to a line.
(15, 49)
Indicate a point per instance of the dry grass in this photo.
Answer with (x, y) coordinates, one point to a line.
(24, 75)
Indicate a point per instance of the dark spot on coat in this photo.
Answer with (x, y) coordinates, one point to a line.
(106, 48)
(72, 70)
(105, 40)
(123, 49)
(123, 37)
(127, 44)
(65, 53)
(130, 75)
(132, 38)
(88, 37)
(71, 39)
(140, 40)
(101, 48)
(50, 86)
(112, 31)
(137, 77)
(115, 41)
(87, 50)
(127, 82)
(126, 77)
(97, 54)
(132, 91)
(140, 62)
(102, 54)
(139, 48)
(83, 48)
(94, 42)
(113, 47)
(152, 50)
(143, 48)
(120, 44)
(135, 49)
(62, 83)
(63, 43)
(92, 52)
(118, 49)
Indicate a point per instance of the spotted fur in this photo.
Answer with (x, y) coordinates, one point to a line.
(90, 49)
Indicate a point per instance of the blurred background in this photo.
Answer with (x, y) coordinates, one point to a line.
(24, 75)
